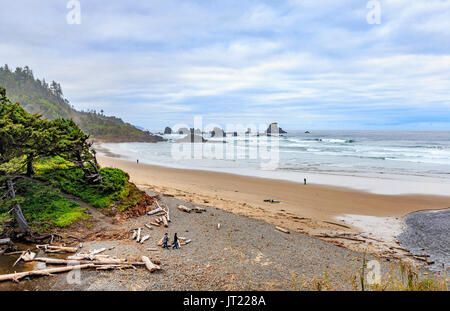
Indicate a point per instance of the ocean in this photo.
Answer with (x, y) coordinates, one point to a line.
(385, 162)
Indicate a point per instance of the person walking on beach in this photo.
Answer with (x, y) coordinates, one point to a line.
(175, 241)
(137, 161)
(166, 240)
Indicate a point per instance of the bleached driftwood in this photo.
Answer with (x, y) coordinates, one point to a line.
(145, 238)
(138, 238)
(185, 242)
(97, 251)
(134, 235)
(184, 208)
(282, 229)
(25, 256)
(148, 226)
(154, 223)
(149, 264)
(87, 256)
(51, 248)
(165, 222)
(17, 276)
(218, 226)
(98, 261)
(159, 209)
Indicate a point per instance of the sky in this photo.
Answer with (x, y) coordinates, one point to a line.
(306, 64)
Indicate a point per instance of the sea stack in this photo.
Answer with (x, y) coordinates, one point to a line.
(184, 131)
(274, 129)
(218, 132)
(167, 130)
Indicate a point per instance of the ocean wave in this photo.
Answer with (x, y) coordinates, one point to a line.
(335, 140)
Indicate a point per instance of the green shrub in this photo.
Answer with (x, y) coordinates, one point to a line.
(114, 188)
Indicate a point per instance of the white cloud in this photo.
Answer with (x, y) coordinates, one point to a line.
(280, 59)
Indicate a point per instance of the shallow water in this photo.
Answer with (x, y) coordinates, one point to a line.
(428, 232)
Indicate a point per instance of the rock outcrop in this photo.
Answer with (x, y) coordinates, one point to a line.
(167, 130)
(183, 130)
(218, 132)
(274, 129)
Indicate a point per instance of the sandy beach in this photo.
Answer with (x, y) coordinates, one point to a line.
(317, 210)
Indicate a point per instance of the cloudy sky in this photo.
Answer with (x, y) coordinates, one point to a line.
(308, 64)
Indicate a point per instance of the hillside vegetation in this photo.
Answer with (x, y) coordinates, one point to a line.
(37, 96)
(42, 162)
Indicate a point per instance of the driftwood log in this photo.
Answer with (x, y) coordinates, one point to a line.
(17, 276)
(165, 221)
(184, 209)
(155, 211)
(282, 229)
(149, 227)
(149, 264)
(154, 223)
(145, 238)
(51, 248)
(138, 238)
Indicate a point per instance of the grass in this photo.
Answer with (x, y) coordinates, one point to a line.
(44, 207)
(402, 276)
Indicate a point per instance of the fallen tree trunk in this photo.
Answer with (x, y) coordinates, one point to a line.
(18, 215)
(87, 256)
(106, 261)
(46, 272)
